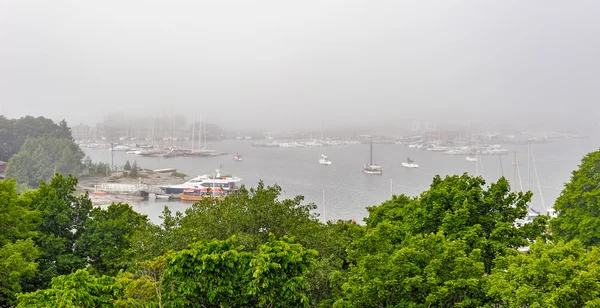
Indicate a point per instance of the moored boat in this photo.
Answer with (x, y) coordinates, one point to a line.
(409, 163)
(324, 160)
(213, 181)
(372, 168)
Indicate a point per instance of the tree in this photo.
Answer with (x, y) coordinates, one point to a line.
(64, 131)
(63, 220)
(17, 264)
(144, 288)
(40, 157)
(127, 166)
(424, 271)
(18, 221)
(14, 131)
(79, 289)
(107, 237)
(279, 273)
(578, 206)
(549, 275)
(222, 274)
(211, 274)
(134, 169)
(461, 208)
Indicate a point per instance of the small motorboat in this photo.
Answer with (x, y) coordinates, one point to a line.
(324, 160)
(238, 157)
(409, 163)
(471, 159)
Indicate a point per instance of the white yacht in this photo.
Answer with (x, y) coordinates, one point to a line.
(215, 180)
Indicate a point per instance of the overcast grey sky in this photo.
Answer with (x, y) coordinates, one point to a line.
(279, 64)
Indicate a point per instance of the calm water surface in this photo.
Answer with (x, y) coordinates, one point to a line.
(342, 191)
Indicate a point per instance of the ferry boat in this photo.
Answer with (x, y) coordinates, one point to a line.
(213, 181)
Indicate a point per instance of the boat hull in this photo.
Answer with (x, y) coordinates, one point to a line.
(185, 197)
(410, 165)
(376, 172)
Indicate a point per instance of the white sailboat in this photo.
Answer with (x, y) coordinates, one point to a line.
(371, 168)
(324, 160)
(409, 163)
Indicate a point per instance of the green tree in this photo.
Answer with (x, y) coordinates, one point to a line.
(279, 273)
(461, 208)
(17, 263)
(18, 221)
(63, 220)
(425, 271)
(578, 206)
(79, 289)
(549, 275)
(107, 237)
(14, 131)
(40, 157)
(127, 166)
(213, 274)
(144, 288)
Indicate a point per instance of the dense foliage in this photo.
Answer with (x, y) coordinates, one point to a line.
(455, 245)
(13, 132)
(578, 206)
(40, 157)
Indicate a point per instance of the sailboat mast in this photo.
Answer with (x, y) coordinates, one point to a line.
(515, 171)
(371, 153)
(193, 130)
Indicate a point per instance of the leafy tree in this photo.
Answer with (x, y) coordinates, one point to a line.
(578, 206)
(127, 166)
(17, 263)
(64, 131)
(144, 288)
(549, 275)
(14, 131)
(279, 274)
(79, 289)
(63, 220)
(461, 208)
(40, 157)
(108, 235)
(18, 221)
(425, 271)
(222, 274)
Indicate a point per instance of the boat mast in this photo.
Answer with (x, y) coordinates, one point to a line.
(528, 169)
(193, 130)
(371, 153)
(515, 171)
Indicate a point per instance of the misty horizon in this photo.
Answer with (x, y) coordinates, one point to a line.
(275, 66)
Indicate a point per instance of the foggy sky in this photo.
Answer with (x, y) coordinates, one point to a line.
(297, 64)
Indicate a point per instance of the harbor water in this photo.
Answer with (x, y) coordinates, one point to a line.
(342, 191)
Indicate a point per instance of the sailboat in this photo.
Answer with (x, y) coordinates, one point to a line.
(371, 168)
(409, 163)
(324, 160)
(238, 157)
